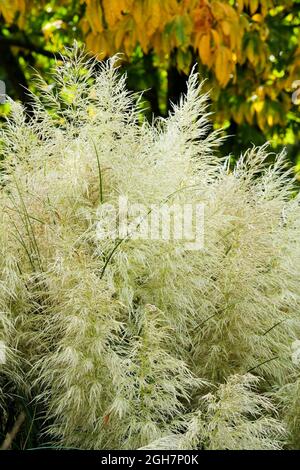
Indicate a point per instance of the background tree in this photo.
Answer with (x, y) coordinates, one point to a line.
(248, 49)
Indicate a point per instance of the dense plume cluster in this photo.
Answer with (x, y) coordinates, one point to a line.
(130, 343)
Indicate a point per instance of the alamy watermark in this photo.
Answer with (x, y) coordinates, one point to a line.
(165, 222)
(2, 92)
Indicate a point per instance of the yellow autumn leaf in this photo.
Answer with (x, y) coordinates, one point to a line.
(270, 120)
(156, 41)
(204, 48)
(154, 17)
(250, 53)
(144, 41)
(169, 9)
(120, 34)
(258, 106)
(240, 5)
(236, 36)
(216, 37)
(128, 45)
(218, 10)
(264, 7)
(223, 65)
(9, 9)
(253, 6)
(113, 10)
(21, 8)
(84, 25)
(261, 92)
(138, 14)
(261, 118)
(226, 27)
(230, 12)
(97, 44)
(94, 15)
(258, 18)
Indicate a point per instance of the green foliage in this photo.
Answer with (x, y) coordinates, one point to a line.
(248, 51)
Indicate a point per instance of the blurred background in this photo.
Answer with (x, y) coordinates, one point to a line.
(249, 51)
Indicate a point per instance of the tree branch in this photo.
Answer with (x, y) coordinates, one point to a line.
(11, 41)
